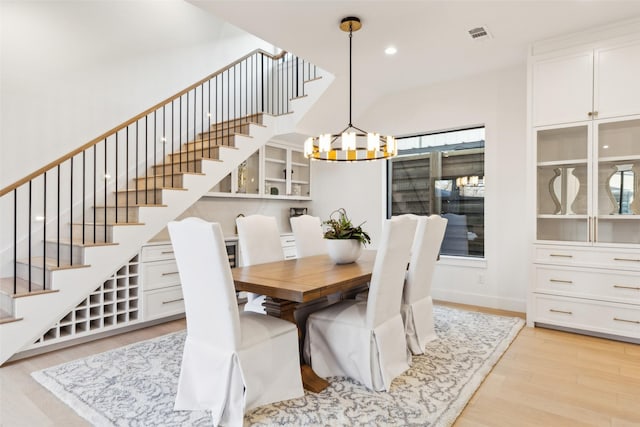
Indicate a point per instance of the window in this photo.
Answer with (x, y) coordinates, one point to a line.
(443, 174)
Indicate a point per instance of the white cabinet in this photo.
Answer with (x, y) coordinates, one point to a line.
(288, 242)
(586, 142)
(593, 83)
(162, 292)
(275, 171)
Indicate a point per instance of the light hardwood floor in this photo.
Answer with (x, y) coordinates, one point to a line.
(546, 378)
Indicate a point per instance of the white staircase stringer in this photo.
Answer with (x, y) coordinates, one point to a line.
(40, 312)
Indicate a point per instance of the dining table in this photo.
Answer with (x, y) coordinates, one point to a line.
(291, 284)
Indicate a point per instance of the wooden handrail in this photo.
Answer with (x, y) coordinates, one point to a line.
(98, 139)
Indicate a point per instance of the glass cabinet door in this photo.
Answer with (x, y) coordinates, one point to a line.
(618, 182)
(248, 181)
(300, 174)
(275, 170)
(563, 176)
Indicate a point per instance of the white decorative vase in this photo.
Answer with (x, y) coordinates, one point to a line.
(344, 251)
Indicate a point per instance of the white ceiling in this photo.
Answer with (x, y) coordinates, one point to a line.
(431, 38)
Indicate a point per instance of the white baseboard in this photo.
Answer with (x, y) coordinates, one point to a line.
(490, 301)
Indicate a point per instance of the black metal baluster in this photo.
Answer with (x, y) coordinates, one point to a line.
(105, 179)
(29, 239)
(95, 186)
(58, 235)
(71, 211)
(202, 119)
(115, 156)
(15, 240)
(155, 150)
(44, 228)
(164, 144)
(209, 121)
(187, 136)
(126, 176)
(180, 138)
(146, 160)
(173, 145)
(84, 193)
(137, 148)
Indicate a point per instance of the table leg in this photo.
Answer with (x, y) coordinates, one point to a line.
(285, 310)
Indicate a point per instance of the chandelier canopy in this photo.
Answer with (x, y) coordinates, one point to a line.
(353, 143)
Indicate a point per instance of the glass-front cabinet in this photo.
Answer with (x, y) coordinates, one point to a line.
(274, 171)
(588, 182)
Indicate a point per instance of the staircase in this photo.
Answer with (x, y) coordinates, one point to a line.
(80, 218)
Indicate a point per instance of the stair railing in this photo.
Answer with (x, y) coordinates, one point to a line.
(95, 185)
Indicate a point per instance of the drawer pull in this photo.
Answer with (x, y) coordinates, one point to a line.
(569, 282)
(627, 321)
(173, 300)
(166, 252)
(169, 273)
(627, 259)
(559, 311)
(561, 255)
(635, 288)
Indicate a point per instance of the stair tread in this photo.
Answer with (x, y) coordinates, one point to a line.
(174, 173)
(185, 152)
(6, 317)
(22, 288)
(133, 205)
(86, 244)
(131, 190)
(109, 223)
(51, 264)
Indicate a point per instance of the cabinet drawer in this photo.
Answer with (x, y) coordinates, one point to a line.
(162, 303)
(618, 286)
(159, 274)
(601, 317)
(287, 240)
(156, 252)
(592, 257)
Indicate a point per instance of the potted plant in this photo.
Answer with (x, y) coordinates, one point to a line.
(344, 241)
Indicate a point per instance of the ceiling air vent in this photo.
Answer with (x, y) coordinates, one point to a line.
(480, 33)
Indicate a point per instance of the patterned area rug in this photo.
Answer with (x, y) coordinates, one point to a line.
(135, 385)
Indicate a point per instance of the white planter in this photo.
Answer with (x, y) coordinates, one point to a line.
(344, 251)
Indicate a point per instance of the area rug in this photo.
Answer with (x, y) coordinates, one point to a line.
(136, 385)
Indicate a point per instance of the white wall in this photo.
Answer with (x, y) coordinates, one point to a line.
(71, 70)
(496, 100)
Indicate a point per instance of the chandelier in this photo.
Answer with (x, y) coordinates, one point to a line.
(353, 143)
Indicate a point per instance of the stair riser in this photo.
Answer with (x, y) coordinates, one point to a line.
(152, 197)
(65, 252)
(212, 153)
(22, 271)
(111, 214)
(191, 166)
(89, 233)
(256, 118)
(160, 181)
(207, 141)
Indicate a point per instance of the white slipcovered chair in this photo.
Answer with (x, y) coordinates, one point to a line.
(259, 240)
(232, 362)
(307, 231)
(417, 305)
(364, 340)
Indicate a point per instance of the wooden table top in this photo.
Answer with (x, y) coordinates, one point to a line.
(303, 279)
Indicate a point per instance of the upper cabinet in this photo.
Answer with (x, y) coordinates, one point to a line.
(591, 84)
(275, 171)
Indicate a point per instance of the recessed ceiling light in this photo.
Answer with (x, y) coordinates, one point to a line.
(391, 50)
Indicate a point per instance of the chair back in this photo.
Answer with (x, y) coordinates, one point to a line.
(424, 254)
(307, 231)
(389, 269)
(207, 285)
(259, 239)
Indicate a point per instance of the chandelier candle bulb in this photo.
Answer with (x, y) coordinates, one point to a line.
(373, 141)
